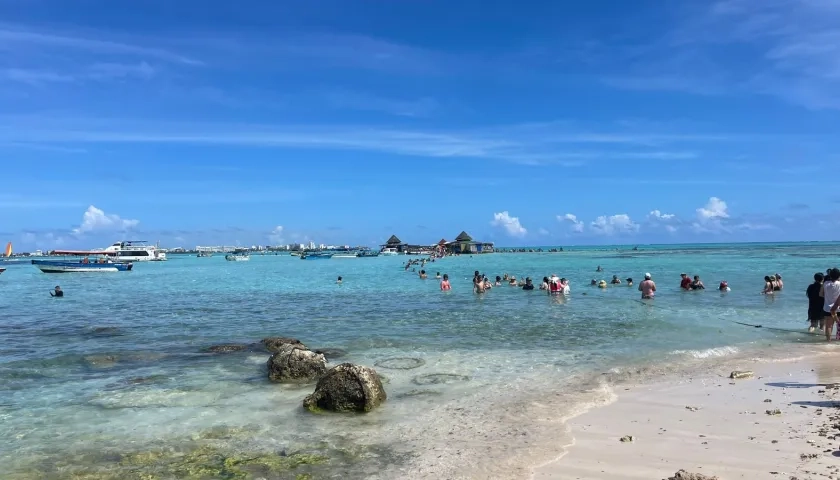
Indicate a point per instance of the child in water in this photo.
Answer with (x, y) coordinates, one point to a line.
(444, 284)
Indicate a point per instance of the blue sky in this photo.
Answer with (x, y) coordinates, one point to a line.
(541, 123)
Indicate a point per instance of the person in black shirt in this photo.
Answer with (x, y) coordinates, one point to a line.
(815, 303)
(529, 285)
(58, 292)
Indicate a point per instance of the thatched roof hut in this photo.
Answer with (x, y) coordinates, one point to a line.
(463, 237)
(393, 241)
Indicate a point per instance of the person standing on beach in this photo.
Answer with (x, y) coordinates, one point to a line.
(815, 303)
(647, 287)
(830, 292)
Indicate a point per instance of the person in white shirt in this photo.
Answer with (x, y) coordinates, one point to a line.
(830, 292)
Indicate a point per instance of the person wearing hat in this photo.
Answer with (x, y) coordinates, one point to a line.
(647, 287)
(615, 280)
(629, 282)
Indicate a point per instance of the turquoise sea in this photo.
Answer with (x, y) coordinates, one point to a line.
(112, 381)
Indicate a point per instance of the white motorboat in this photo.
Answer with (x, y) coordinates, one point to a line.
(136, 251)
(388, 251)
(238, 256)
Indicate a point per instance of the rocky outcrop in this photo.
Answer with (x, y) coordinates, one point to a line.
(347, 388)
(275, 344)
(226, 348)
(293, 363)
(683, 475)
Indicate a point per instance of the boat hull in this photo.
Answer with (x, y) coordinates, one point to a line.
(2, 270)
(49, 266)
(316, 257)
(236, 258)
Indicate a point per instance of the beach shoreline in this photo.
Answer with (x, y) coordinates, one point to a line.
(707, 423)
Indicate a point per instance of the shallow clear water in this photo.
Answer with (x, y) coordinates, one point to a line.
(117, 366)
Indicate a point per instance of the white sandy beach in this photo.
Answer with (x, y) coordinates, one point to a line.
(714, 426)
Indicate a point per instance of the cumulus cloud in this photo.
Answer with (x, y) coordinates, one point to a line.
(709, 217)
(96, 220)
(276, 235)
(614, 224)
(576, 225)
(510, 224)
(715, 209)
(656, 214)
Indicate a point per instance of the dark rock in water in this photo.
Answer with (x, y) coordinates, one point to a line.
(226, 348)
(347, 388)
(295, 364)
(683, 475)
(274, 344)
(106, 332)
(332, 353)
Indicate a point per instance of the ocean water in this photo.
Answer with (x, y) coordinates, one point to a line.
(112, 380)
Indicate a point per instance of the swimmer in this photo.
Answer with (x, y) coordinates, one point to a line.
(564, 286)
(528, 284)
(498, 281)
(444, 284)
(544, 284)
(487, 284)
(602, 284)
(599, 269)
(779, 283)
(647, 287)
(629, 282)
(338, 281)
(423, 275)
(593, 283)
(615, 280)
(697, 284)
(685, 281)
(478, 285)
(724, 286)
(768, 286)
(57, 292)
(512, 281)
(437, 275)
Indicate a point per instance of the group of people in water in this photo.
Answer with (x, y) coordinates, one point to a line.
(552, 285)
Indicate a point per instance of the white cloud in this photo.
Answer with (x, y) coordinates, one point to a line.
(577, 225)
(615, 224)
(656, 214)
(543, 231)
(95, 219)
(510, 224)
(671, 228)
(276, 235)
(715, 209)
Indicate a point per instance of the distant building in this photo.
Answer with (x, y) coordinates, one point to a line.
(464, 244)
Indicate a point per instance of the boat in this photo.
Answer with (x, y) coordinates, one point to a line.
(238, 256)
(8, 249)
(295, 254)
(126, 251)
(204, 254)
(316, 256)
(67, 266)
(388, 251)
(345, 254)
(2, 270)
(367, 253)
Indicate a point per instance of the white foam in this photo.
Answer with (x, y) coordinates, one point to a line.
(707, 353)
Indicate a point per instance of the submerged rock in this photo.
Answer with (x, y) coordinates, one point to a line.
(683, 475)
(737, 374)
(295, 364)
(226, 348)
(332, 353)
(106, 332)
(347, 388)
(274, 344)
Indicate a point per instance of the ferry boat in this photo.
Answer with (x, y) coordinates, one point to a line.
(67, 266)
(238, 256)
(388, 251)
(126, 251)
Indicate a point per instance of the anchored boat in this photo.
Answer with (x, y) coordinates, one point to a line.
(316, 256)
(67, 266)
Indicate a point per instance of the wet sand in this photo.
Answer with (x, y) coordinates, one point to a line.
(713, 425)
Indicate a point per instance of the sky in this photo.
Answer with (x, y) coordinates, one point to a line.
(523, 123)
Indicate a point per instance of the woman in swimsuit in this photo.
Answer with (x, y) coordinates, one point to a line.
(444, 284)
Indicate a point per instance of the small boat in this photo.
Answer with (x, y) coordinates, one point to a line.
(66, 266)
(238, 256)
(316, 256)
(204, 254)
(2, 270)
(367, 253)
(388, 251)
(345, 254)
(295, 254)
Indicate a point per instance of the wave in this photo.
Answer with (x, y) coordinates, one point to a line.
(716, 352)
